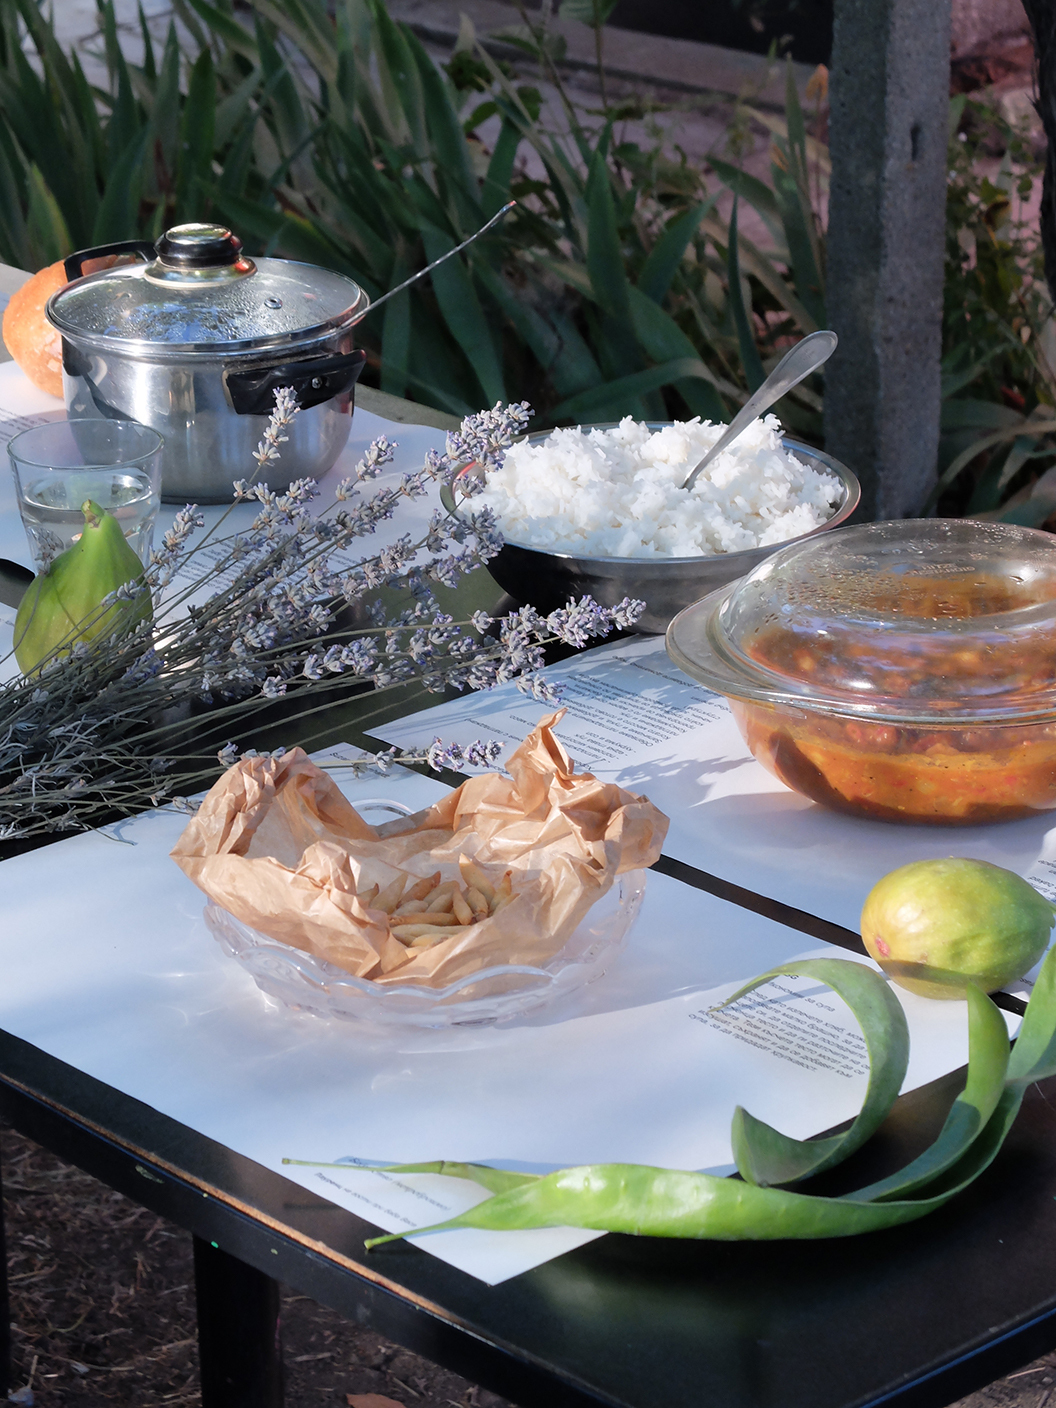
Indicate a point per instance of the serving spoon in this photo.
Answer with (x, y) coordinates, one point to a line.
(807, 355)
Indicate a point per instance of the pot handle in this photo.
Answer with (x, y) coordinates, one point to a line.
(74, 264)
(314, 381)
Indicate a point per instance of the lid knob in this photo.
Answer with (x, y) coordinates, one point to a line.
(198, 247)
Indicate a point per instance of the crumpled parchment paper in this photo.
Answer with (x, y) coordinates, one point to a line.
(277, 845)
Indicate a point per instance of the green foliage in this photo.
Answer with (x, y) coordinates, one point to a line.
(623, 283)
(334, 138)
(998, 425)
(82, 166)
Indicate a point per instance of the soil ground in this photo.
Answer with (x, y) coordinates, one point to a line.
(102, 1313)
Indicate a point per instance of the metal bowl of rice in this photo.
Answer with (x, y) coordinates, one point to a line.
(546, 577)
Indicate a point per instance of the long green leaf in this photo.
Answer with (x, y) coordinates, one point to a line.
(757, 193)
(604, 255)
(963, 413)
(553, 338)
(592, 12)
(666, 255)
(496, 190)
(750, 359)
(463, 314)
(119, 208)
(796, 218)
(450, 150)
(985, 442)
(615, 398)
(194, 165)
(401, 81)
(235, 38)
(396, 336)
(999, 473)
(48, 235)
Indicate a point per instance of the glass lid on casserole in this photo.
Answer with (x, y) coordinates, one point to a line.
(923, 620)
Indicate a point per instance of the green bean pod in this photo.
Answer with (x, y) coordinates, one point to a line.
(658, 1202)
(766, 1156)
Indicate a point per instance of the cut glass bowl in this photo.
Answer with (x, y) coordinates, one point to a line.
(307, 983)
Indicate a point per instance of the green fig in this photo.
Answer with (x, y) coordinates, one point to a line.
(73, 588)
(936, 926)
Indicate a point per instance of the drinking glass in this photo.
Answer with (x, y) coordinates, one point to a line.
(61, 465)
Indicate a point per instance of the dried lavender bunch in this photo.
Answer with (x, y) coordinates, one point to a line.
(244, 619)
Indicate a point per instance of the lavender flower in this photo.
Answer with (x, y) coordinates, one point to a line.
(286, 608)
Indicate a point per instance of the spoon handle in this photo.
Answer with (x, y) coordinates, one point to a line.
(807, 355)
(430, 267)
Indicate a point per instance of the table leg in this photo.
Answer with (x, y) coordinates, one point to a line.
(238, 1331)
(5, 1307)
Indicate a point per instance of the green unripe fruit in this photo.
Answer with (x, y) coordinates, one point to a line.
(61, 605)
(937, 926)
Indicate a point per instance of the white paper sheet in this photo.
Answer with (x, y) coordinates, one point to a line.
(635, 719)
(108, 965)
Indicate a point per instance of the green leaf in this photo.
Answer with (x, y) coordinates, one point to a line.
(757, 193)
(463, 314)
(616, 346)
(666, 255)
(150, 71)
(125, 118)
(604, 255)
(592, 12)
(449, 148)
(952, 381)
(15, 243)
(194, 163)
(553, 338)
(976, 448)
(46, 232)
(999, 473)
(226, 28)
(309, 26)
(119, 208)
(400, 77)
(165, 118)
(962, 413)
(1031, 513)
(764, 1155)
(496, 190)
(285, 111)
(396, 336)
(750, 359)
(796, 218)
(612, 400)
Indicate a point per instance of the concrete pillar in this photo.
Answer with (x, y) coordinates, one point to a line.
(889, 87)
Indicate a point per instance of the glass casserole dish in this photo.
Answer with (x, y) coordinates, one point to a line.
(903, 671)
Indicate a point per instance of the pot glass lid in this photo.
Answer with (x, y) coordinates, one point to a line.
(918, 619)
(200, 292)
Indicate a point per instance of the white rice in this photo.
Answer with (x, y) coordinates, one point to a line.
(617, 493)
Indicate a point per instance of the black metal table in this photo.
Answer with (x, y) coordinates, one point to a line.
(915, 1316)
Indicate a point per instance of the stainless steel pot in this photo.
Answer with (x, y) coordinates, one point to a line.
(194, 342)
